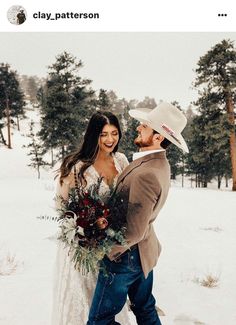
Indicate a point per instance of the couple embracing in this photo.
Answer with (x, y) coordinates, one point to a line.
(101, 299)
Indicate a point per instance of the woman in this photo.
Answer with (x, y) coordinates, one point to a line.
(98, 157)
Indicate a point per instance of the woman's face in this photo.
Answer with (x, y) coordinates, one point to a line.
(108, 138)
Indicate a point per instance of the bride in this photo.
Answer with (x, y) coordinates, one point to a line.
(97, 157)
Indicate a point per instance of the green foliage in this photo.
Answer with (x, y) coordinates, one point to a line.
(66, 105)
(199, 161)
(217, 69)
(209, 143)
(36, 151)
(147, 103)
(175, 155)
(109, 101)
(30, 86)
(103, 101)
(213, 131)
(10, 89)
(129, 134)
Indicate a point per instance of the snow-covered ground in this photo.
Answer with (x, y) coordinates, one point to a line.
(197, 229)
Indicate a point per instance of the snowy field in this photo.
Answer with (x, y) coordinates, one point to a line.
(195, 279)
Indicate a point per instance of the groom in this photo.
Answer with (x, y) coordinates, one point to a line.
(144, 183)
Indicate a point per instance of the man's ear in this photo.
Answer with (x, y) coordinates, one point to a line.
(158, 137)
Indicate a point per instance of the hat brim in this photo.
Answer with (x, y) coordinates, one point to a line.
(141, 114)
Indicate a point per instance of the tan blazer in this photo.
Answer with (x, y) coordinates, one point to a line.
(145, 184)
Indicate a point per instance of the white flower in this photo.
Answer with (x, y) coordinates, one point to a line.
(110, 232)
(69, 227)
(80, 230)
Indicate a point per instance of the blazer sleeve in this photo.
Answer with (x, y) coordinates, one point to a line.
(143, 197)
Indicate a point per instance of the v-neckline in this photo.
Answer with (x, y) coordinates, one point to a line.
(103, 179)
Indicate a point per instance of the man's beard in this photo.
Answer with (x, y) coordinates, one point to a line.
(142, 144)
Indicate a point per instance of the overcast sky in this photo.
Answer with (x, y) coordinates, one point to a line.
(134, 65)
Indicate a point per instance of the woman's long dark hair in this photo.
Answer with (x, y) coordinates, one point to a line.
(89, 149)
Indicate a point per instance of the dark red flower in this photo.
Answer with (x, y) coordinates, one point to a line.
(106, 212)
(86, 202)
(82, 222)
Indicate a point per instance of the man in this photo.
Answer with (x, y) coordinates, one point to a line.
(145, 184)
(21, 17)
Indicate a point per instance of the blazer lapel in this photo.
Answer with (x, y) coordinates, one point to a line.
(128, 170)
(136, 163)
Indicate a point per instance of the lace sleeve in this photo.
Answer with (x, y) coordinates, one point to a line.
(63, 189)
(122, 160)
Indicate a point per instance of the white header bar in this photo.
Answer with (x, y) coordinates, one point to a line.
(122, 15)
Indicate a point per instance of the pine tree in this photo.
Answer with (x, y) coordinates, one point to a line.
(66, 105)
(216, 74)
(109, 101)
(32, 88)
(199, 161)
(36, 151)
(147, 103)
(176, 157)
(10, 91)
(209, 147)
(103, 101)
(176, 160)
(127, 144)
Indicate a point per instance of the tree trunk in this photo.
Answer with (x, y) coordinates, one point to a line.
(232, 139)
(52, 158)
(219, 181)
(18, 123)
(38, 170)
(8, 125)
(183, 180)
(199, 181)
(183, 170)
(63, 151)
(226, 181)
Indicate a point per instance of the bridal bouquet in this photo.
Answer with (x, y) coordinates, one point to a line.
(90, 225)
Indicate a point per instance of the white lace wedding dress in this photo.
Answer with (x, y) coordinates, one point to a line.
(73, 292)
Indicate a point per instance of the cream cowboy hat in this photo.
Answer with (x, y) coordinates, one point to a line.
(166, 119)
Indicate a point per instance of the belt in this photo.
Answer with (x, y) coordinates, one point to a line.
(118, 258)
(133, 247)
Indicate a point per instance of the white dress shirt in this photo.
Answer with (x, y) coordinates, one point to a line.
(140, 154)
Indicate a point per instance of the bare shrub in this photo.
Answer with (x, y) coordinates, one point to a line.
(208, 281)
(8, 265)
(215, 229)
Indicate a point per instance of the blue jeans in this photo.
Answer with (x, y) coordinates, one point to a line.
(123, 277)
